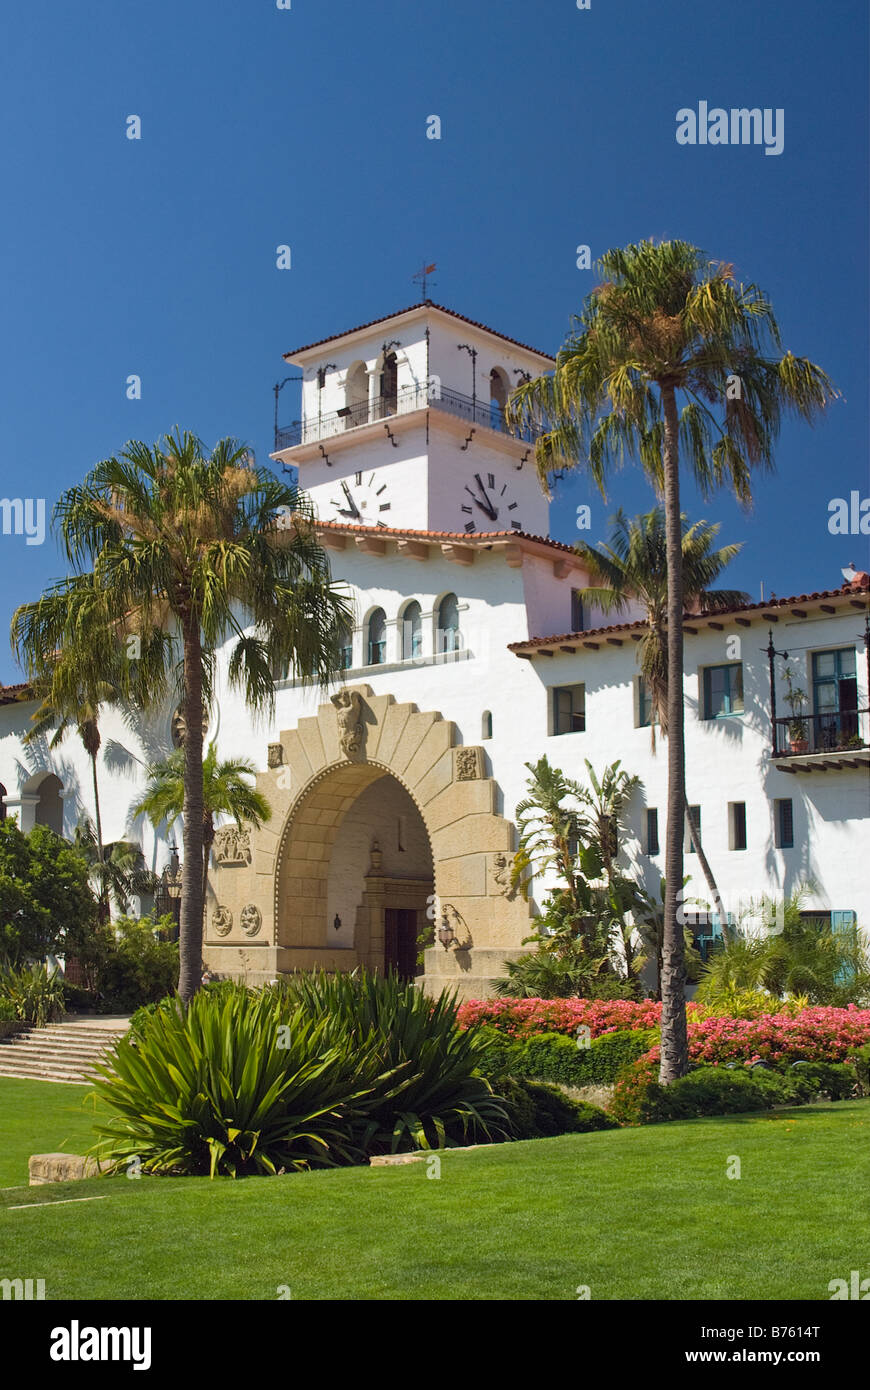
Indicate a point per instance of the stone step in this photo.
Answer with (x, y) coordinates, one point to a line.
(79, 1030)
(49, 1054)
(62, 1052)
(33, 1074)
(42, 1064)
(66, 1040)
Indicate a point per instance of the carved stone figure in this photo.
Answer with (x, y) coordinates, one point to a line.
(351, 730)
(251, 919)
(232, 845)
(276, 755)
(467, 764)
(222, 920)
(500, 868)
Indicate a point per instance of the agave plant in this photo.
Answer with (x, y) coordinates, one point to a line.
(35, 993)
(229, 1084)
(420, 1065)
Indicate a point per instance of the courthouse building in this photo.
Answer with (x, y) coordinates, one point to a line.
(471, 655)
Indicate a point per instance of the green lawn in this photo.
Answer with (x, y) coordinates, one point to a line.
(40, 1117)
(633, 1214)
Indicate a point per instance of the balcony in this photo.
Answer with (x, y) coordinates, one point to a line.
(832, 740)
(410, 398)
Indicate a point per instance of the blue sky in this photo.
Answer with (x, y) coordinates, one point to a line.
(307, 126)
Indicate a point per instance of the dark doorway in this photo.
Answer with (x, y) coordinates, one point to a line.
(400, 941)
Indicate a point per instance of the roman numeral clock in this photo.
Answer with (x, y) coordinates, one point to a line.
(489, 504)
(361, 500)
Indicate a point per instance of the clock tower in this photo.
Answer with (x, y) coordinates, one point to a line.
(403, 426)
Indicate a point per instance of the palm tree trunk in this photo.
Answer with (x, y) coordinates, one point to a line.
(675, 1046)
(207, 842)
(97, 816)
(712, 888)
(190, 930)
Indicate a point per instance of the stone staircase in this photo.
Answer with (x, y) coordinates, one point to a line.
(65, 1052)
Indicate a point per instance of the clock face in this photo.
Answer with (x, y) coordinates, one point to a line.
(361, 500)
(489, 504)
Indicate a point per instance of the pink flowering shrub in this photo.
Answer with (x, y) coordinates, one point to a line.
(817, 1034)
(521, 1017)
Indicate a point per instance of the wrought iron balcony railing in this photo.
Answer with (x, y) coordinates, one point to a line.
(403, 402)
(835, 731)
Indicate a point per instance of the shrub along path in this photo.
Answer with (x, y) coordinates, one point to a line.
(633, 1214)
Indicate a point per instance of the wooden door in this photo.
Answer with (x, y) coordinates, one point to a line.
(400, 941)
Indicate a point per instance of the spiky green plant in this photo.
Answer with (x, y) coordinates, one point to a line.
(426, 1093)
(229, 1084)
(35, 993)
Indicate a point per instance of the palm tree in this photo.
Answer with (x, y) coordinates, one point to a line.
(634, 568)
(186, 545)
(118, 869)
(665, 323)
(224, 792)
(608, 801)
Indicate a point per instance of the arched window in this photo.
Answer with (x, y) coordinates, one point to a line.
(412, 631)
(486, 724)
(49, 811)
(356, 396)
(377, 638)
(390, 384)
(498, 396)
(449, 639)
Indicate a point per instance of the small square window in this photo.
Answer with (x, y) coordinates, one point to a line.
(723, 690)
(569, 709)
(737, 824)
(784, 823)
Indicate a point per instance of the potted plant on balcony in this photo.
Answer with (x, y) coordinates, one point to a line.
(797, 724)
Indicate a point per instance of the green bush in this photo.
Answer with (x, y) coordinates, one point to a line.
(45, 897)
(539, 1111)
(78, 1000)
(7, 1010)
(862, 1068)
(836, 1080)
(556, 1057)
(34, 992)
(131, 962)
(315, 1072)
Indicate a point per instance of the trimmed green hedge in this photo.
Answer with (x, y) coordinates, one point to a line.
(639, 1098)
(539, 1111)
(555, 1057)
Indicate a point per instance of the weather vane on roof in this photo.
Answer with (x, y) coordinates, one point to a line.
(421, 277)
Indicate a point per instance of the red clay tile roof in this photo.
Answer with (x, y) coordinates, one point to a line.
(10, 694)
(477, 538)
(861, 584)
(429, 304)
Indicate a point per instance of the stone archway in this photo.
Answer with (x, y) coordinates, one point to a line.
(273, 886)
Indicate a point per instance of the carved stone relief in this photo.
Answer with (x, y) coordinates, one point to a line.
(251, 919)
(222, 920)
(232, 846)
